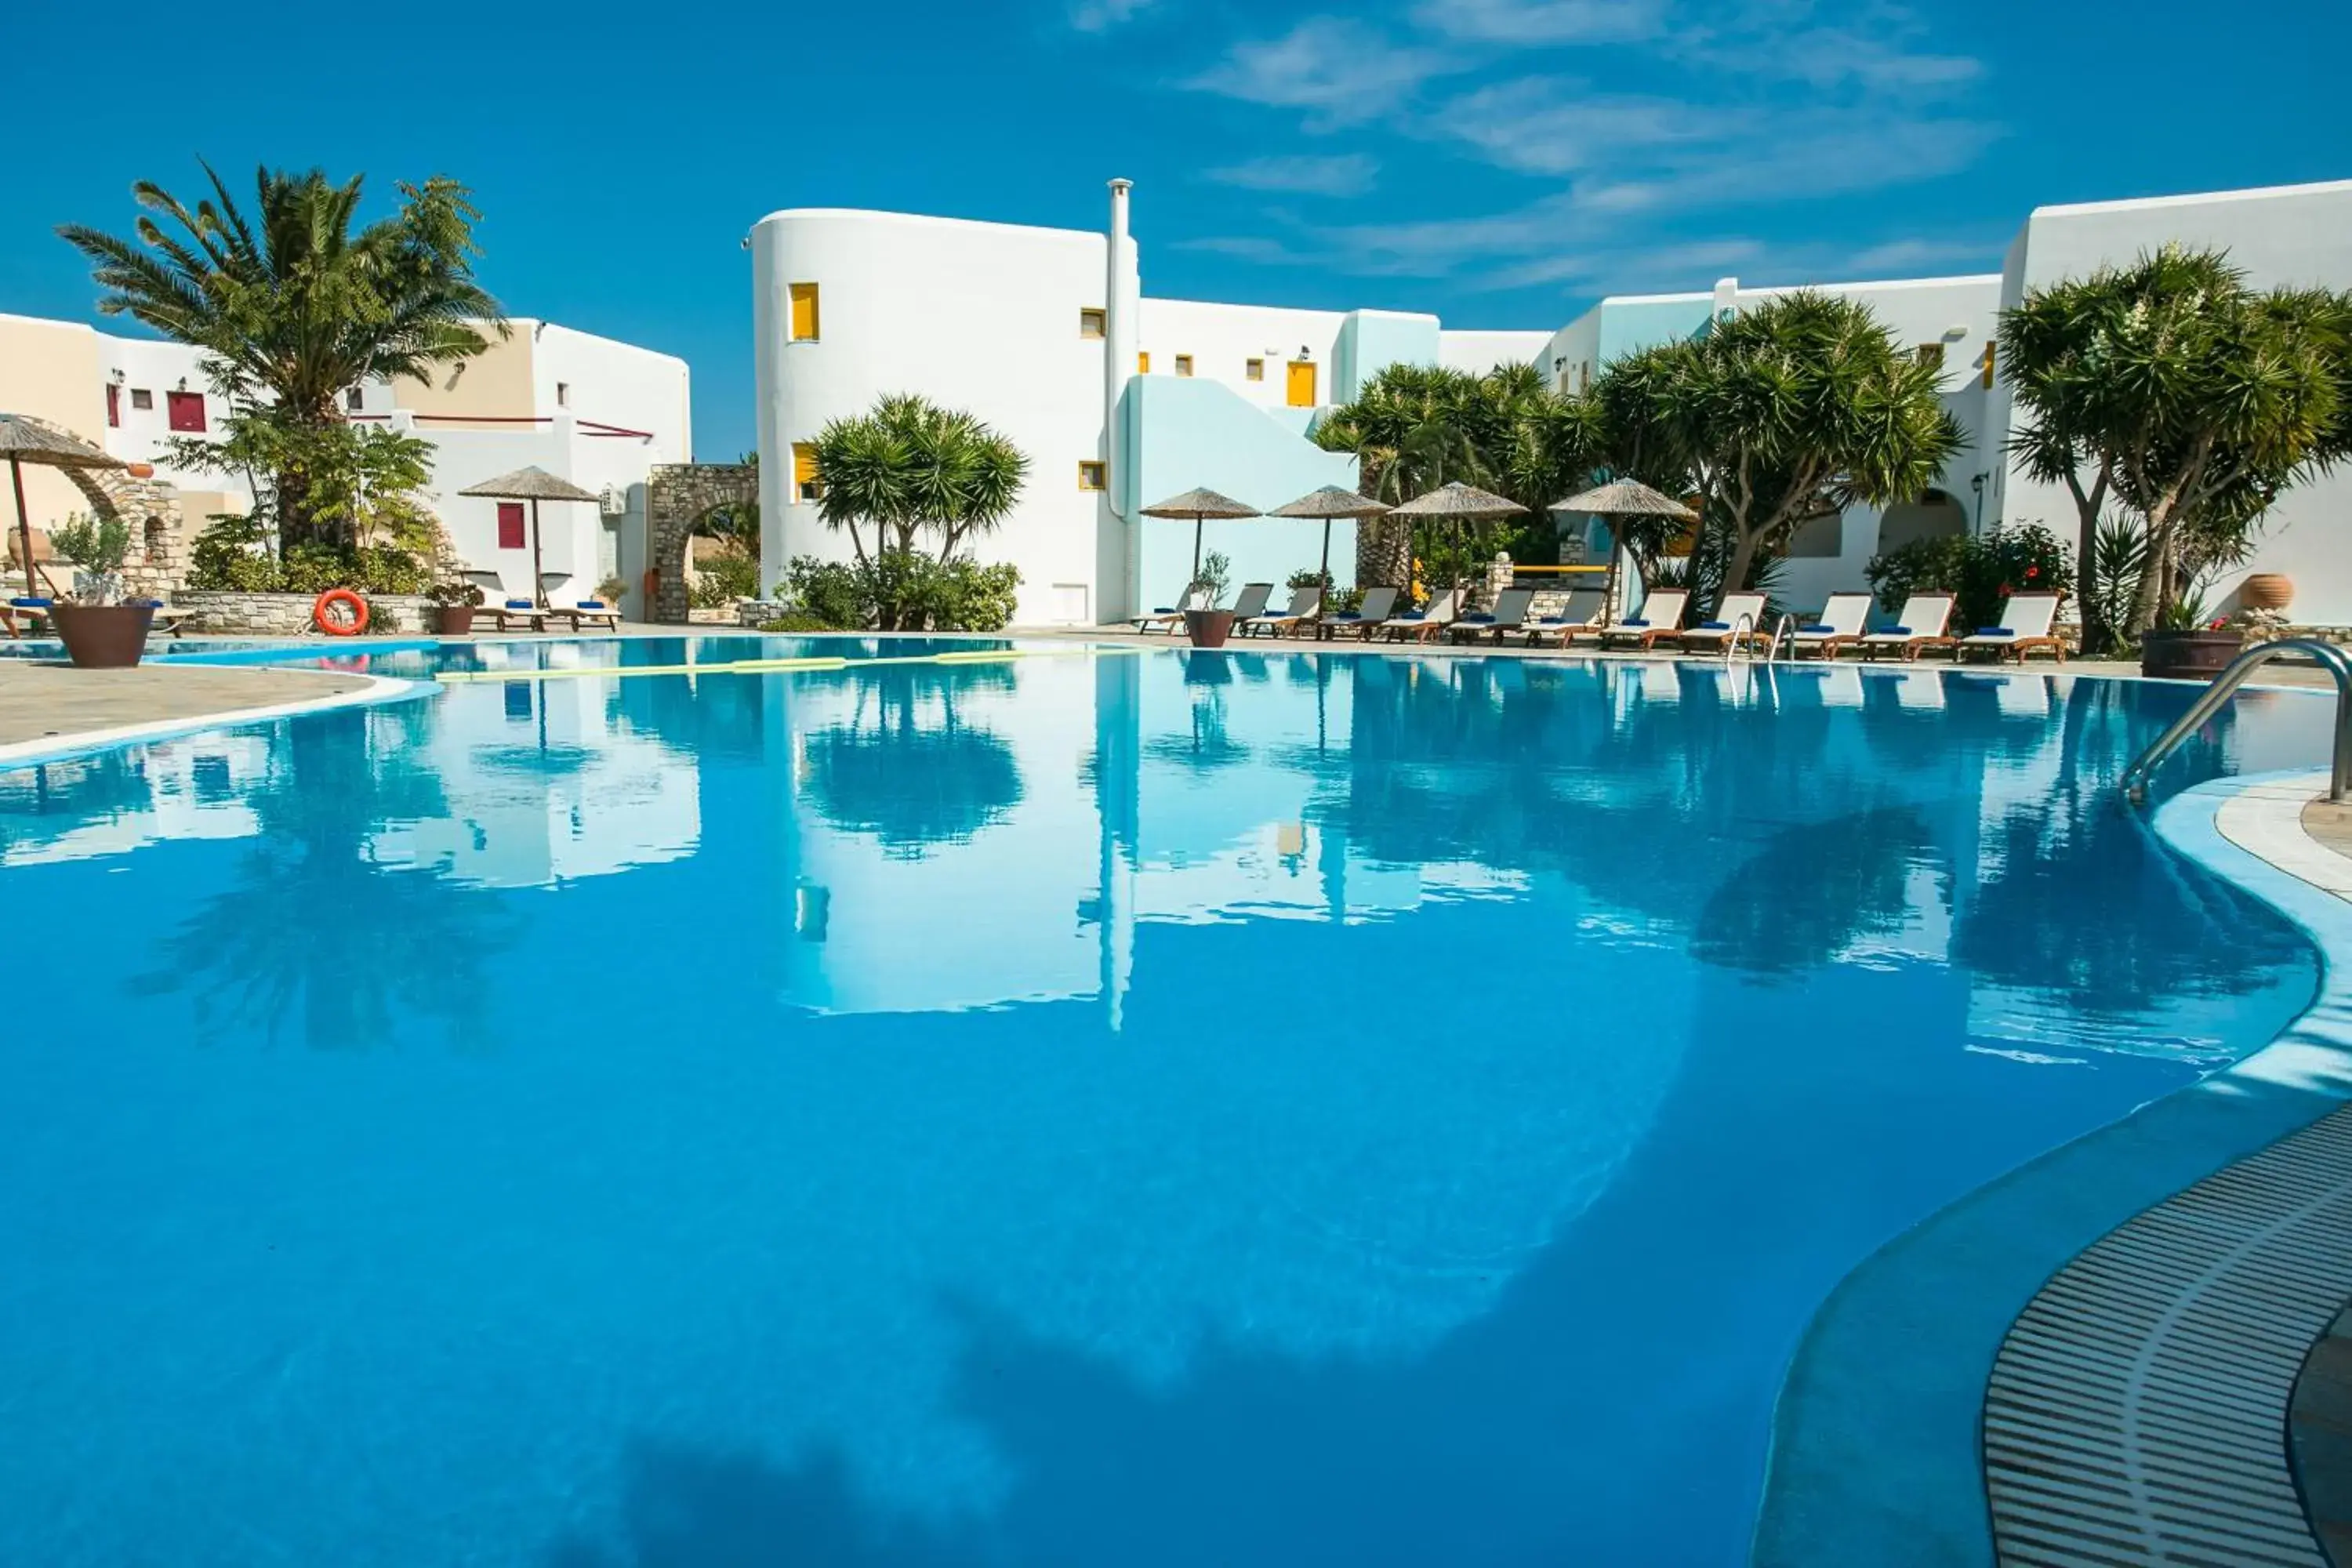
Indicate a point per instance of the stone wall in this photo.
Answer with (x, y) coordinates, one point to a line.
(676, 495)
(288, 615)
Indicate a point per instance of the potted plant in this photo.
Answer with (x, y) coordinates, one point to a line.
(2187, 643)
(453, 607)
(100, 631)
(1208, 627)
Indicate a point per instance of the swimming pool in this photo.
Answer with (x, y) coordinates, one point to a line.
(1102, 1107)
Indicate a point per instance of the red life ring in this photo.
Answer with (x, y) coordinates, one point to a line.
(333, 627)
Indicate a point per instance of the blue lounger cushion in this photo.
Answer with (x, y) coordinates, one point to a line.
(1634, 623)
(519, 605)
(30, 602)
(1896, 632)
(591, 603)
(1818, 627)
(1995, 632)
(1478, 620)
(1709, 626)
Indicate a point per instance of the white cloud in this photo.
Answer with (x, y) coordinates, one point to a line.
(1102, 16)
(1541, 21)
(1339, 71)
(1342, 174)
(1551, 125)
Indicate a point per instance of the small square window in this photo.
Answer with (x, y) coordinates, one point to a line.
(1092, 323)
(808, 484)
(804, 322)
(1090, 476)
(185, 412)
(1931, 354)
(354, 399)
(1183, 365)
(564, 394)
(1253, 370)
(141, 398)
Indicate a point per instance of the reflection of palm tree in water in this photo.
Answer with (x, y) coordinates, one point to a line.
(317, 936)
(906, 768)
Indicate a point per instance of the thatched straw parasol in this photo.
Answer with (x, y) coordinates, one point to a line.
(26, 441)
(1623, 497)
(1457, 502)
(534, 485)
(1200, 505)
(1326, 503)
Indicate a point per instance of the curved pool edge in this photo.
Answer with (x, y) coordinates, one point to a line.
(380, 689)
(1875, 1453)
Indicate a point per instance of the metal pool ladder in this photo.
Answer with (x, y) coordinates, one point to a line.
(2326, 655)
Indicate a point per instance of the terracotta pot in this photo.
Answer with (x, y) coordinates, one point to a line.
(1209, 628)
(103, 636)
(2267, 591)
(453, 620)
(2187, 655)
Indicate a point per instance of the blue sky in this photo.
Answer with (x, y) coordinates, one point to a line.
(1501, 163)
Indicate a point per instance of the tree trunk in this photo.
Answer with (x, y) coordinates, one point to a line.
(1743, 556)
(2155, 582)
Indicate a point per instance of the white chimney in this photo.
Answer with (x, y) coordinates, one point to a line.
(1122, 295)
(1726, 297)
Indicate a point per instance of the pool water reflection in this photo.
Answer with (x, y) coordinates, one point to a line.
(1146, 1109)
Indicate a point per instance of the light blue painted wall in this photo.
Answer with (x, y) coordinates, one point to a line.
(1627, 328)
(1183, 432)
(1371, 341)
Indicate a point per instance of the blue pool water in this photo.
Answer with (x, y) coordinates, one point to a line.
(1168, 1108)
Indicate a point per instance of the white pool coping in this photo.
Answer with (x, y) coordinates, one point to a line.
(83, 743)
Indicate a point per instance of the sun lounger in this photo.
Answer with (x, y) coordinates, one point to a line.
(1509, 615)
(515, 608)
(1579, 617)
(1305, 603)
(1921, 625)
(1425, 623)
(1661, 617)
(1841, 623)
(1171, 619)
(586, 612)
(2025, 623)
(1378, 603)
(1711, 637)
(26, 615)
(1251, 602)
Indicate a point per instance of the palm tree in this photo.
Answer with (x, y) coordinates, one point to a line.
(912, 466)
(291, 306)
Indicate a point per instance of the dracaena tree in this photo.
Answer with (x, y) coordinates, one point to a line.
(292, 302)
(1795, 410)
(2172, 390)
(911, 468)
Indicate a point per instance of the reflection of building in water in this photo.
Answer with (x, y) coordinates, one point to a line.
(126, 800)
(975, 836)
(544, 783)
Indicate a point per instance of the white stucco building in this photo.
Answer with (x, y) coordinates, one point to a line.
(1120, 399)
(599, 413)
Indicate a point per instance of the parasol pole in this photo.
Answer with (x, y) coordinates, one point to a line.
(24, 521)
(1197, 520)
(538, 575)
(1327, 553)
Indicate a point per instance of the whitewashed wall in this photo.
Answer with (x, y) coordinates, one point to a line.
(1223, 338)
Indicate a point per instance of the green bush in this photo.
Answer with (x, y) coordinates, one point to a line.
(1982, 571)
(797, 621)
(232, 555)
(722, 578)
(828, 590)
(99, 546)
(314, 569)
(969, 597)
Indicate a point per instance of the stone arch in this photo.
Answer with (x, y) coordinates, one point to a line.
(677, 496)
(158, 559)
(1935, 515)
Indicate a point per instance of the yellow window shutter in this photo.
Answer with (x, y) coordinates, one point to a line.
(1301, 389)
(803, 311)
(806, 486)
(1143, 364)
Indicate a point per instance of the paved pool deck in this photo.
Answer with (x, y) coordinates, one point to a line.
(45, 703)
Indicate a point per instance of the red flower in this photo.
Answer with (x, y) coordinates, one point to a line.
(2217, 622)
(2004, 590)
(2031, 572)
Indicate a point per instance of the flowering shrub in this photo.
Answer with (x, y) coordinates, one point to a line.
(1983, 571)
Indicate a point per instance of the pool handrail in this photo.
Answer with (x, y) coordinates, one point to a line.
(2326, 655)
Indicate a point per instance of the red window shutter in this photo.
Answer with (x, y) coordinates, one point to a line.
(185, 411)
(510, 525)
(113, 406)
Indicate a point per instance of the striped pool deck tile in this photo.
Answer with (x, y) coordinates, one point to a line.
(2137, 1410)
